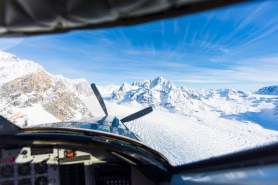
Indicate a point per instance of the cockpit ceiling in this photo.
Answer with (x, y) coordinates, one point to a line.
(29, 17)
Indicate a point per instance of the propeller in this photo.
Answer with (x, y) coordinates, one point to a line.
(131, 117)
(99, 98)
(137, 115)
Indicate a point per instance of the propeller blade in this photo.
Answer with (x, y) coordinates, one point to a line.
(99, 98)
(137, 115)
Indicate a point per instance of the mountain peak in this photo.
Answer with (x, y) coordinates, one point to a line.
(13, 67)
(25, 85)
(5, 55)
(159, 79)
(160, 83)
(269, 90)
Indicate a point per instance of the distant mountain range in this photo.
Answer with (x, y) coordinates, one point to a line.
(160, 92)
(27, 91)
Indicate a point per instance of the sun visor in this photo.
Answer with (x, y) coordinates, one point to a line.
(29, 17)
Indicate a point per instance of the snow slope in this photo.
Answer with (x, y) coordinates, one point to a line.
(187, 125)
(12, 67)
(226, 103)
(183, 139)
(29, 95)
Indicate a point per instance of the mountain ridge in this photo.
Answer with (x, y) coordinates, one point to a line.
(30, 85)
(25, 85)
(161, 93)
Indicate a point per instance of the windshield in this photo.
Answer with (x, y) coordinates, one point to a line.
(210, 77)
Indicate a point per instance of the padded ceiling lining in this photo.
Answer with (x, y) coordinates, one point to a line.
(29, 17)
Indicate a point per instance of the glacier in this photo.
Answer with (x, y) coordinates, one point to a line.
(187, 125)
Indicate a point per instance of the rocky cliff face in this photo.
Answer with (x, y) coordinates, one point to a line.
(25, 84)
(33, 86)
(64, 103)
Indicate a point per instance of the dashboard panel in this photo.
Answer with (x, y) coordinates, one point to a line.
(49, 165)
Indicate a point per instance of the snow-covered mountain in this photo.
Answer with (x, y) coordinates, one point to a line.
(158, 91)
(187, 125)
(269, 90)
(29, 93)
(162, 93)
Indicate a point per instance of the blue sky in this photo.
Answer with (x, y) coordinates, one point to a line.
(235, 47)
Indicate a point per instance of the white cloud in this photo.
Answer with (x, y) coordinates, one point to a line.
(204, 81)
(8, 43)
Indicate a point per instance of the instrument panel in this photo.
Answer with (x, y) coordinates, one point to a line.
(55, 166)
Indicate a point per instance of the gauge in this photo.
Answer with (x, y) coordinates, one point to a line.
(25, 182)
(24, 169)
(41, 168)
(69, 153)
(41, 181)
(24, 152)
(7, 171)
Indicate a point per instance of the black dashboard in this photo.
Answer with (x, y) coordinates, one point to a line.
(66, 157)
(49, 165)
